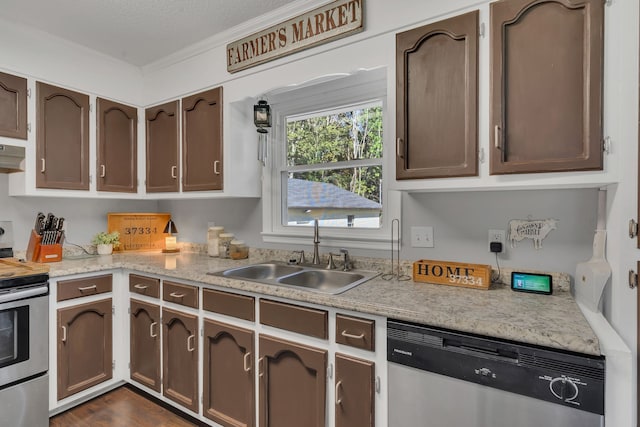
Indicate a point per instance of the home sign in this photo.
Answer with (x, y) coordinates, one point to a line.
(451, 273)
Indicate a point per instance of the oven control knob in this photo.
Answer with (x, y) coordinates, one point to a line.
(564, 389)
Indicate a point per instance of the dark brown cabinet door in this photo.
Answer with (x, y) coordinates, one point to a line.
(62, 138)
(117, 158)
(437, 100)
(202, 141)
(292, 384)
(84, 346)
(13, 106)
(180, 358)
(145, 344)
(229, 392)
(162, 147)
(354, 398)
(546, 85)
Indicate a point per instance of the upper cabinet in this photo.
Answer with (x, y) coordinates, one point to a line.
(13, 106)
(437, 99)
(202, 141)
(546, 85)
(162, 147)
(117, 159)
(62, 149)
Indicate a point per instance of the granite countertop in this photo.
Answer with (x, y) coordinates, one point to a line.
(547, 320)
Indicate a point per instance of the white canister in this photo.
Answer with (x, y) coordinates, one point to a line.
(213, 241)
(224, 241)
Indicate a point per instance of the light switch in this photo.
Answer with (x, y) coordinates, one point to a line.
(422, 237)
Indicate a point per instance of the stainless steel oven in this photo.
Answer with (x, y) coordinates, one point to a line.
(24, 349)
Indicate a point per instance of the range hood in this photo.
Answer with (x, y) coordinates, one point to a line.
(10, 158)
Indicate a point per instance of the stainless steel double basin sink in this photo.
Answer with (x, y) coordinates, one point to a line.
(299, 276)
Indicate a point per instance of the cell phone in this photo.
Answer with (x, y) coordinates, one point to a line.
(531, 282)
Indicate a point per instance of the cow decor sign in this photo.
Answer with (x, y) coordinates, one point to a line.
(534, 229)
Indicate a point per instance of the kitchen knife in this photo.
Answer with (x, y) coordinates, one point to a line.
(39, 223)
(49, 221)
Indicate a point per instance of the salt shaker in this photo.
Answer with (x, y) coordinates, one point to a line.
(213, 237)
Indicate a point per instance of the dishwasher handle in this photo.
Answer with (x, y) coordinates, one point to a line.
(484, 353)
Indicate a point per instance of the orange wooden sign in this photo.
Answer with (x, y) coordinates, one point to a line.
(139, 231)
(451, 273)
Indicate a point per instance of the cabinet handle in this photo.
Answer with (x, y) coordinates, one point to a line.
(633, 279)
(64, 334)
(400, 148)
(247, 358)
(633, 228)
(496, 137)
(141, 287)
(42, 165)
(174, 172)
(102, 171)
(176, 295)
(215, 167)
(355, 337)
(261, 367)
(338, 398)
(190, 340)
(88, 288)
(151, 334)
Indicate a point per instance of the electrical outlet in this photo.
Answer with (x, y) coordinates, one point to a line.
(422, 237)
(496, 236)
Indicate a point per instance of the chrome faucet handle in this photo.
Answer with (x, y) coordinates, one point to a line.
(331, 265)
(347, 262)
(301, 260)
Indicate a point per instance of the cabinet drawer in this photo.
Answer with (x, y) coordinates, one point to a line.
(303, 320)
(180, 294)
(235, 305)
(144, 285)
(77, 288)
(355, 332)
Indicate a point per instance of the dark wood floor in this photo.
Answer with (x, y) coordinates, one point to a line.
(121, 407)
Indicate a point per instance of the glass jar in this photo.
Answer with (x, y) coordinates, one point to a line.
(213, 234)
(238, 249)
(224, 241)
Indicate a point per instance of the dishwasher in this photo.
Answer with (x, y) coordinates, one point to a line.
(442, 378)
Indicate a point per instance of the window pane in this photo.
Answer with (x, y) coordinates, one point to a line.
(347, 197)
(339, 136)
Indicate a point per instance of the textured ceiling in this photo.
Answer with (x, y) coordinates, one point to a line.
(136, 31)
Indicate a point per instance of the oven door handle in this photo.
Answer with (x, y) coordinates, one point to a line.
(25, 293)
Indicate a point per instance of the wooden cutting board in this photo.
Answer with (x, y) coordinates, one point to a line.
(11, 267)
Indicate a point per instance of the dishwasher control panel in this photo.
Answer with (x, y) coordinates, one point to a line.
(567, 379)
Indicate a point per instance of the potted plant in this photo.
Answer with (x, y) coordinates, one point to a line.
(105, 242)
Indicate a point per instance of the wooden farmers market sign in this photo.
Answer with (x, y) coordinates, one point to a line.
(326, 23)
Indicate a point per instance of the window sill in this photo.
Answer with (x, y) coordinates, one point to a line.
(331, 239)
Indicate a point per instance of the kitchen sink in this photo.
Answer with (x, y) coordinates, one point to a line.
(300, 276)
(261, 271)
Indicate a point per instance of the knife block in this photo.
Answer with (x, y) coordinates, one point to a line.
(38, 252)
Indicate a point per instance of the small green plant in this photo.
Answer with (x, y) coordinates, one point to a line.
(104, 238)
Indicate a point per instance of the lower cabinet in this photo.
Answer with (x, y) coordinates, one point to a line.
(228, 388)
(354, 392)
(84, 346)
(292, 384)
(144, 348)
(180, 358)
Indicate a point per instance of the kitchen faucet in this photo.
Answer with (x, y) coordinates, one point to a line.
(316, 241)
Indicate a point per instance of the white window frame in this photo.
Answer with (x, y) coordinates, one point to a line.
(329, 95)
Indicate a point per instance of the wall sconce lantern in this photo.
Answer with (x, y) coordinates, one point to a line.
(262, 120)
(262, 116)
(170, 242)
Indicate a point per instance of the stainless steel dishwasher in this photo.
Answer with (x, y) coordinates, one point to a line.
(440, 378)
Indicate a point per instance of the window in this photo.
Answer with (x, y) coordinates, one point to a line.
(327, 162)
(333, 168)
